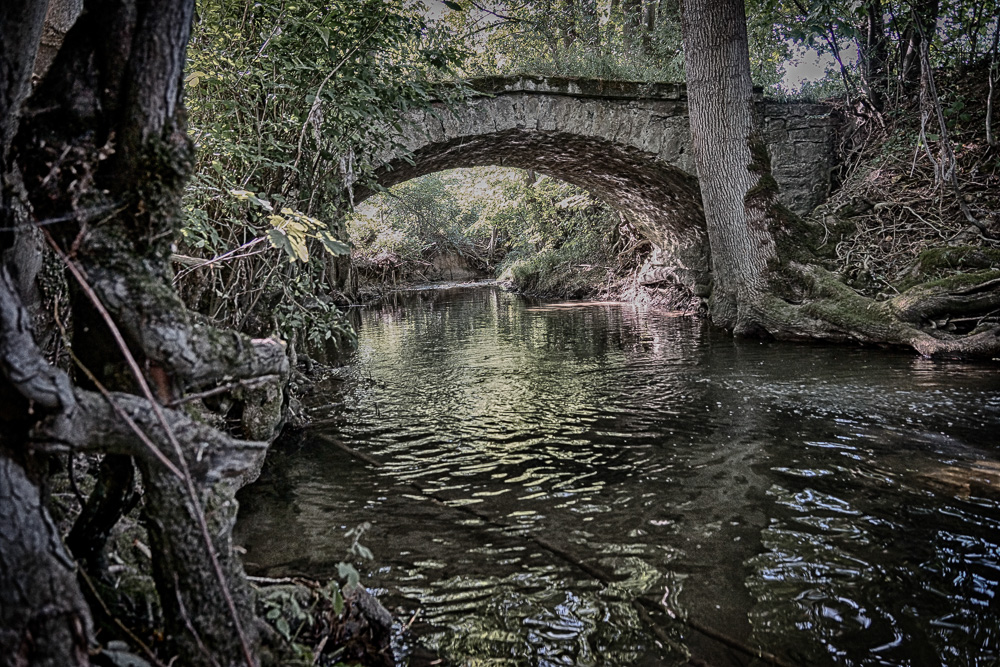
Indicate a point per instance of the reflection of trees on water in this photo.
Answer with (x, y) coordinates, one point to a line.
(534, 355)
(774, 489)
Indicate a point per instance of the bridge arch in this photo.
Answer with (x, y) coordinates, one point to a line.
(627, 143)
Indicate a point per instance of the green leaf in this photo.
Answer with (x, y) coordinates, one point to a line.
(338, 603)
(347, 571)
(333, 246)
(282, 626)
(280, 240)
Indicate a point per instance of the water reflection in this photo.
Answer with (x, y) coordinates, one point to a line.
(833, 505)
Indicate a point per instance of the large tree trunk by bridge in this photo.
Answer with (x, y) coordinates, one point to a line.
(98, 155)
(765, 278)
(723, 130)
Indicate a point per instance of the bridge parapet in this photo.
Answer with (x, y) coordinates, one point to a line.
(579, 87)
(649, 117)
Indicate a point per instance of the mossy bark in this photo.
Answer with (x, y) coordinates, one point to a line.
(101, 157)
(766, 280)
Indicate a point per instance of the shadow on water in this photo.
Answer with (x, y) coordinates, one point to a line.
(831, 505)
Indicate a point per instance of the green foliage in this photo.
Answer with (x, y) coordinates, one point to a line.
(309, 615)
(412, 217)
(516, 224)
(290, 230)
(634, 40)
(321, 328)
(299, 614)
(872, 38)
(288, 104)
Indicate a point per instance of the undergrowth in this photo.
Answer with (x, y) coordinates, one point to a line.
(897, 205)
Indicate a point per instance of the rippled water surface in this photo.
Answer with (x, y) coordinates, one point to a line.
(831, 505)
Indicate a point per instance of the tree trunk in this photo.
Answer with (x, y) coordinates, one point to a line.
(21, 24)
(631, 21)
(874, 55)
(990, 76)
(102, 157)
(649, 10)
(60, 18)
(733, 170)
(569, 23)
(922, 23)
(765, 277)
(43, 618)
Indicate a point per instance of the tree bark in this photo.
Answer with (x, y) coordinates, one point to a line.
(922, 23)
(730, 156)
(101, 157)
(874, 54)
(765, 278)
(43, 618)
(106, 505)
(61, 16)
(21, 23)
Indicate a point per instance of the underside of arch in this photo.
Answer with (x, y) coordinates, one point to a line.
(663, 200)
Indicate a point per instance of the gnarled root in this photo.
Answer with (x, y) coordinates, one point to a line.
(830, 310)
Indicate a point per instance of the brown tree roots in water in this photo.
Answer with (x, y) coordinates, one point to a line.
(942, 319)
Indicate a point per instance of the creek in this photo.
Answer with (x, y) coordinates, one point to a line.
(832, 505)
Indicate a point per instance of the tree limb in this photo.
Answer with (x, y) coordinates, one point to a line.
(20, 359)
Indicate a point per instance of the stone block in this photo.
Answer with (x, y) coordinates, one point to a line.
(815, 135)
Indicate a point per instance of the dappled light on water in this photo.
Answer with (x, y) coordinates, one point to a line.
(831, 505)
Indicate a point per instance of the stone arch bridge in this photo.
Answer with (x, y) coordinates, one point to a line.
(627, 143)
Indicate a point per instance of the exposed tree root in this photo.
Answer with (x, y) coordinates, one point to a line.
(830, 310)
(101, 157)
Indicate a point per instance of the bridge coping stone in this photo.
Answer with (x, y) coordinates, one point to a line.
(578, 87)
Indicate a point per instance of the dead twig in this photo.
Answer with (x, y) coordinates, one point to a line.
(252, 383)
